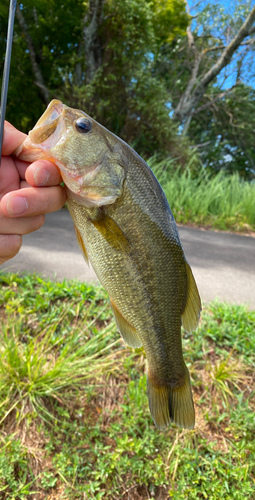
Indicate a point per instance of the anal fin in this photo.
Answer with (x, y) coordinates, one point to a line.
(169, 404)
(81, 244)
(127, 331)
(191, 314)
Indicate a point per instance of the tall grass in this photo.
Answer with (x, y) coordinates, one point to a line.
(67, 437)
(35, 370)
(221, 201)
(53, 337)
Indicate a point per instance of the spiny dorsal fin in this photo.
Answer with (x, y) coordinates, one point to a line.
(127, 331)
(191, 314)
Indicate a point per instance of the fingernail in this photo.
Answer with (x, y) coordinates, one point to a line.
(16, 205)
(41, 176)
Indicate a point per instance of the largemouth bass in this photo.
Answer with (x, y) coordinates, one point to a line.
(125, 228)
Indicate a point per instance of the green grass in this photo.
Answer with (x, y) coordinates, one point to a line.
(222, 201)
(75, 418)
(34, 371)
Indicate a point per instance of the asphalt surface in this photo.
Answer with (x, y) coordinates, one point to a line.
(223, 263)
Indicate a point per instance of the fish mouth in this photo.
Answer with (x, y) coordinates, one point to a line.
(47, 124)
(49, 132)
(45, 134)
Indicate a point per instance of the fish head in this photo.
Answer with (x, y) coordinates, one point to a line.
(89, 157)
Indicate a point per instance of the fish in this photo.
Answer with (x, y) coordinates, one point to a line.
(126, 231)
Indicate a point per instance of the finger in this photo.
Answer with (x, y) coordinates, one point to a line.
(12, 139)
(39, 173)
(32, 201)
(22, 185)
(43, 173)
(9, 177)
(21, 167)
(21, 225)
(9, 246)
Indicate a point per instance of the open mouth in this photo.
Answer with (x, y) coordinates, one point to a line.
(48, 123)
(45, 134)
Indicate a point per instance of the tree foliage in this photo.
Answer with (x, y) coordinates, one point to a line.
(226, 132)
(97, 56)
(214, 105)
(159, 74)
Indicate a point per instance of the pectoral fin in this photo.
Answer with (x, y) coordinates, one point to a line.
(127, 331)
(81, 244)
(191, 314)
(111, 232)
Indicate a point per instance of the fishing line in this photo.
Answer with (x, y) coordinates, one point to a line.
(6, 71)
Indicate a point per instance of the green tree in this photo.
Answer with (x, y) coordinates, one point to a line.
(209, 50)
(99, 56)
(206, 72)
(148, 71)
(225, 132)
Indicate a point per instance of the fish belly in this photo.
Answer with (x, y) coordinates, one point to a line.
(147, 285)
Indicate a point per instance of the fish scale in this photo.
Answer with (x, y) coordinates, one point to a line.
(125, 228)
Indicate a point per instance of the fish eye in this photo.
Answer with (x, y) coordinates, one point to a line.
(83, 125)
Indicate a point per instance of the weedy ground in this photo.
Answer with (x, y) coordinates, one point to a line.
(74, 414)
(223, 201)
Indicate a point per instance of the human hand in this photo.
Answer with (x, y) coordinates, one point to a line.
(22, 202)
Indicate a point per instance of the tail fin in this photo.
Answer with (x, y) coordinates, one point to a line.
(171, 405)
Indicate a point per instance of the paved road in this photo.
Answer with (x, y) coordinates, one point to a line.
(223, 263)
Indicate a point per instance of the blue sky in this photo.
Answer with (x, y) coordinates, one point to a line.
(227, 7)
